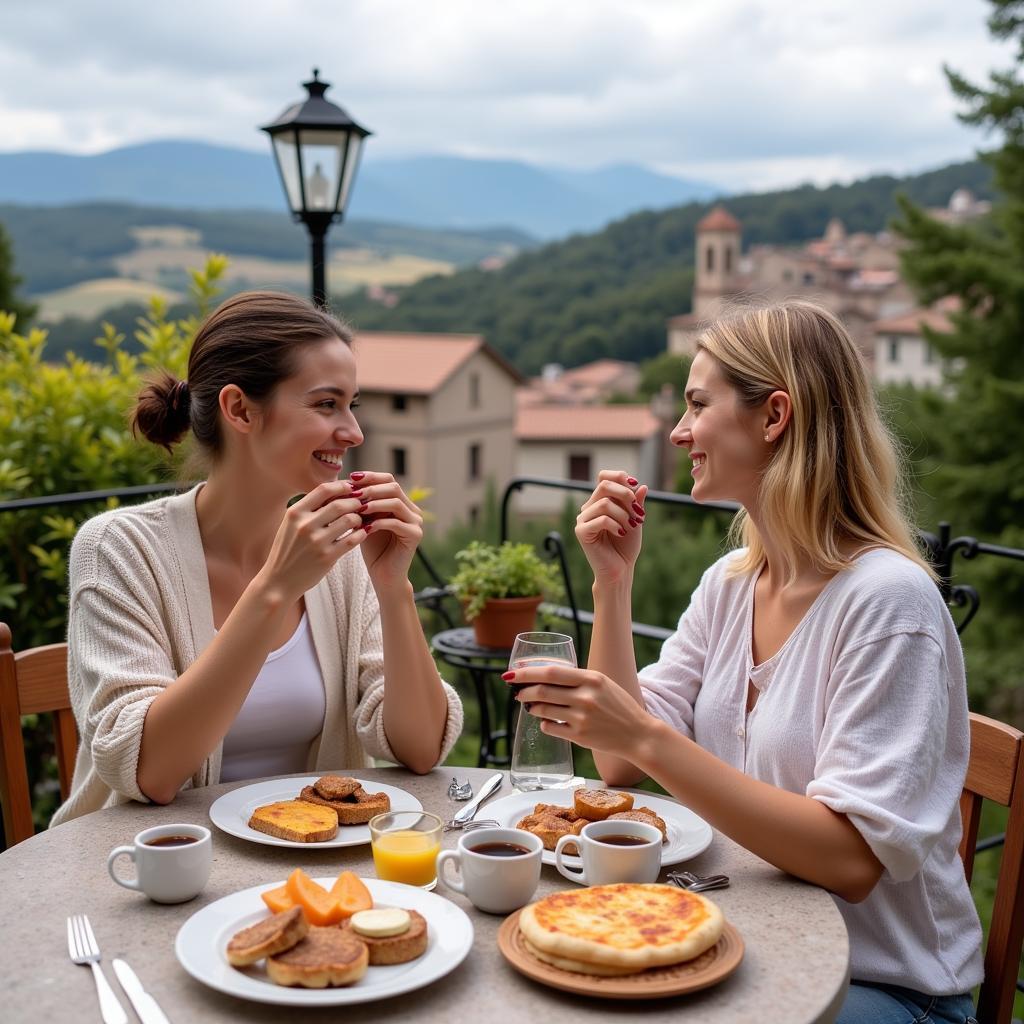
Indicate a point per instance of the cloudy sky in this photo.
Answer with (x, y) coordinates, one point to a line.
(743, 93)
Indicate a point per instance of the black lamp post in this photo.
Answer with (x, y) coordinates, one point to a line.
(317, 148)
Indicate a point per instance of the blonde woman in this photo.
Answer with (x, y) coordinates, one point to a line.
(812, 702)
(230, 632)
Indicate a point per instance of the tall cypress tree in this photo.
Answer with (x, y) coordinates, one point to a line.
(977, 433)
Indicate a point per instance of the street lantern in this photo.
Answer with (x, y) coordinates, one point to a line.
(317, 148)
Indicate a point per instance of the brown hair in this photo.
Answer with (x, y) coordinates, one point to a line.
(835, 473)
(250, 340)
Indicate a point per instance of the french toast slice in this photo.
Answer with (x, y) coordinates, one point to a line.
(550, 829)
(336, 787)
(297, 820)
(265, 938)
(356, 809)
(326, 956)
(644, 814)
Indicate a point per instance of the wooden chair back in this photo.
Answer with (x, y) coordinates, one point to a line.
(31, 682)
(996, 772)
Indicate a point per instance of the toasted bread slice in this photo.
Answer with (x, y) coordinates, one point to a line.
(336, 787)
(265, 938)
(598, 804)
(296, 820)
(326, 956)
(642, 814)
(395, 949)
(347, 811)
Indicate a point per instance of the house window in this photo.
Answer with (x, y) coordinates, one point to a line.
(398, 462)
(475, 461)
(929, 354)
(710, 259)
(474, 515)
(398, 403)
(474, 391)
(728, 259)
(808, 278)
(579, 467)
(894, 350)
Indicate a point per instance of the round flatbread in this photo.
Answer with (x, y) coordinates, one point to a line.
(623, 926)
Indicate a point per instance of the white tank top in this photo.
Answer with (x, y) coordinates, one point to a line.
(282, 715)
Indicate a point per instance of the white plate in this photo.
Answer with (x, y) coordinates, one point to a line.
(204, 937)
(688, 834)
(232, 811)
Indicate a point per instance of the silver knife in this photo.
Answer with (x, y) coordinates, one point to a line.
(145, 1005)
(469, 811)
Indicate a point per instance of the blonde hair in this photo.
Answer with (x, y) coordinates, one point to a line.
(834, 473)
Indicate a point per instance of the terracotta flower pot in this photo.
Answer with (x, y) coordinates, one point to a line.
(504, 618)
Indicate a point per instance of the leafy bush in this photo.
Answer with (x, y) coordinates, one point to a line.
(64, 428)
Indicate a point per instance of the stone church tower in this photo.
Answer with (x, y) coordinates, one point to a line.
(716, 262)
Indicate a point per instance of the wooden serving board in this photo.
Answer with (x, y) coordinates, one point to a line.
(709, 968)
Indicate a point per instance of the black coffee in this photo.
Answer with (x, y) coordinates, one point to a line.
(500, 849)
(620, 840)
(172, 841)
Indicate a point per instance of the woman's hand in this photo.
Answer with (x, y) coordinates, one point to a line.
(609, 525)
(393, 526)
(314, 533)
(582, 706)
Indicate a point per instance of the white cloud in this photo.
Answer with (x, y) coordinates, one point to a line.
(742, 91)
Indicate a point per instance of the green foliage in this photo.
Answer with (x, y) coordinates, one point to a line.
(64, 428)
(9, 282)
(508, 570)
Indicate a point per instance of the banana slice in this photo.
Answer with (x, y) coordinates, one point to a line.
(379, 924)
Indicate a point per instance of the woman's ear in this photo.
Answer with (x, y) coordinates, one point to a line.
(238, 412)
(778, 413)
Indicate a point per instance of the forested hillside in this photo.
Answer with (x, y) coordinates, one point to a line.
(609, 293)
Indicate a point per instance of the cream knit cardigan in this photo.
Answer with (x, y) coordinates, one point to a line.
(139, 613)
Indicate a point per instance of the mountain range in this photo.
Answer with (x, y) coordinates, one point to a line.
(427, 191)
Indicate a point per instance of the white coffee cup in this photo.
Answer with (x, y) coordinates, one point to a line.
(494, 883)
(167, 872)
(605, 863)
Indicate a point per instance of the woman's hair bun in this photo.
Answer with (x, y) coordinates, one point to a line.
(161, 412)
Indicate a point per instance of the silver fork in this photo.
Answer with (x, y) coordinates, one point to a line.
(82, 949)
(698, 883)
(468, 826)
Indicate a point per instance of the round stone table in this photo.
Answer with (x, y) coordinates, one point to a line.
(794, 970)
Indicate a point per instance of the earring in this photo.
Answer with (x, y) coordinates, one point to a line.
(766, 437)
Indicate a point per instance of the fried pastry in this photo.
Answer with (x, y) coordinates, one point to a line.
(598, 804)
(550, 829)
(326, 956)
(336, 787)
(644, 814)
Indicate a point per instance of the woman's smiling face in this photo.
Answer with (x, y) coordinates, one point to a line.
(724, 438)
(309, 423)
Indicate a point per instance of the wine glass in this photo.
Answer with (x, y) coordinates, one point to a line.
(540, 761)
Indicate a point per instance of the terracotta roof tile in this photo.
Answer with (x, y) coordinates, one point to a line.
(586, 423)
(415, 363)
(910, 323)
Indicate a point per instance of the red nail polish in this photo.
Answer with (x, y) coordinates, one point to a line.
(356, 494)
(629, 480)
(356, 476)
(638, 508)
(367, 527)
(508, 676)
(622, 533)
(363, 507)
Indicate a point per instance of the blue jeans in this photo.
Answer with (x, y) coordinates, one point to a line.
(869, 1003)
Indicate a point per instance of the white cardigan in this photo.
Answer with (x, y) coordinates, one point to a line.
(139, 614)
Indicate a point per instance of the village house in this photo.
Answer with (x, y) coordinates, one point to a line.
(438, 411)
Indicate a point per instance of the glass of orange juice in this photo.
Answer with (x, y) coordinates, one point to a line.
(405, 846)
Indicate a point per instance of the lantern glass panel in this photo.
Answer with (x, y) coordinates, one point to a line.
(355, 149)
(287, 154)
(323, 155)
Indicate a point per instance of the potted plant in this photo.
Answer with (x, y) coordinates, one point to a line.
(501, 588)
